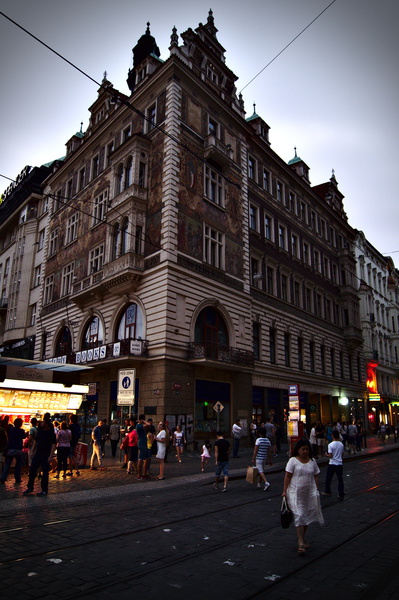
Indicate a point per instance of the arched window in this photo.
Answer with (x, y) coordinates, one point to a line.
(119, 180)
(210, 328)
(129, 173)
(64, 342)
(116, 235)
(94, 334)
(131, 323)
(124, 237)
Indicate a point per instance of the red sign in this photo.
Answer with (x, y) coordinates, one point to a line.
(81, 453)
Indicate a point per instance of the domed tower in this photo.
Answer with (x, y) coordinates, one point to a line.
(146, 59)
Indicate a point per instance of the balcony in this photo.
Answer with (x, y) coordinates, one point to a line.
(3, 304)
(353, 337)
(208, 351)
(214, 148)
(120, 276)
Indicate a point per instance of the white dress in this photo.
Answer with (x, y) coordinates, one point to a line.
(161, 448)
(302, 494)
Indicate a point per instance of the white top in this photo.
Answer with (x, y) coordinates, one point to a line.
(336, 448)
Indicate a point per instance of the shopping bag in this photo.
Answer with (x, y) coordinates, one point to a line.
(252, 475)
(286, 514)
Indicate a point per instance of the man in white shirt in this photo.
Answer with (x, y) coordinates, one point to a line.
(335, 453)
(237, 433)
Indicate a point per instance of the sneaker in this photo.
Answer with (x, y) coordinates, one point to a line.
(215, 487)
(224, 489)
(258, 485)
(325, 494)
(27, 492)
(93, 468)
(267, 485)
(42, 494)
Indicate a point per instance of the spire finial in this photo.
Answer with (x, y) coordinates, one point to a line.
(174, 38)
(254, 108)
(148, 28)
(295, 151)
(81, 127)
(210, 16)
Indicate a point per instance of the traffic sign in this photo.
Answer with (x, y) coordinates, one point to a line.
(218, 407)
(126, 381)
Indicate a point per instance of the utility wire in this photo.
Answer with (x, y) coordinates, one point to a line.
(287, 46)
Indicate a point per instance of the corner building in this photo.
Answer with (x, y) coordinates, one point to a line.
(182, 246)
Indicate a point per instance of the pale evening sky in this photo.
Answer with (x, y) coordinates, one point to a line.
(333, 93)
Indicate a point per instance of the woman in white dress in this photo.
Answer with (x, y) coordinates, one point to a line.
(178, 442)
(300, 488)
(161, 449)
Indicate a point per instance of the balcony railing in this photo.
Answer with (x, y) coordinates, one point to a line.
(220, 353)
(216, 149)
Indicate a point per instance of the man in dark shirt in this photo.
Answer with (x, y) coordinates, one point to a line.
(222, 452)
(43, 449)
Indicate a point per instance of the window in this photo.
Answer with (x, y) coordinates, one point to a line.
(211, 73)
(72, 229)
(32, 312)
(287, 349)
(40, 243)
(326, 267)
(66, 280)
(256, 272)
(142, 174)
(48, 289)
(266, 180)
(313, 219)
(152, 118)
(53, 242)
(100, 207)
(294, 245)
(303, 211)
(253, 217)
(256, 340)
(45, 205)
(6, 269)
(281, 237)
(268, 228)
(70, 189)
(129, 173)
(318, 304)
(110, 150)
(251, 168)
(95, 167)
(23, 215)
(36, 276)
(306, 254)
(131, 323)
(210, 328)
(96, 259)
(213, 247)
(272, 345)
(213, 127)
(213, 186)
(292, 202)
(316, 261)
(300, 353)
(119, 180)
(279, 191)
(94, 334)
(270, 280)
(82, 175)
(138, 242)
(295, 293)
(284, 287)
(126, 134)
(64, 342)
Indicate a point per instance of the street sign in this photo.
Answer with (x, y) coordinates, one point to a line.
(126, 381)
(218, 407)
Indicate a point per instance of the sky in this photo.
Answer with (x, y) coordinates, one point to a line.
(332, 94)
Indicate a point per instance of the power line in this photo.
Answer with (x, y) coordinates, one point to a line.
(287, 46)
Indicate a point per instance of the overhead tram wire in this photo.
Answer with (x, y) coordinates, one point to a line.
(288, 45)
(118, 97)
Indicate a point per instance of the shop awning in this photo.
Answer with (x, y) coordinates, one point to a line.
(42, 365)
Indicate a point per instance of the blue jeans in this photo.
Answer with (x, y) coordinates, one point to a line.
(17, 468)
(236, 445)
(338, 470)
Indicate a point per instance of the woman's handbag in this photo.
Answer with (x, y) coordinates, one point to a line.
(125, 443)
(286, 514)
(252, 475)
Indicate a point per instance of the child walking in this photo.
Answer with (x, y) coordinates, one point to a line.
(206, 454)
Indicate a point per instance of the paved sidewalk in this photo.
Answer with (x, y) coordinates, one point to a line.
(114, 478)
